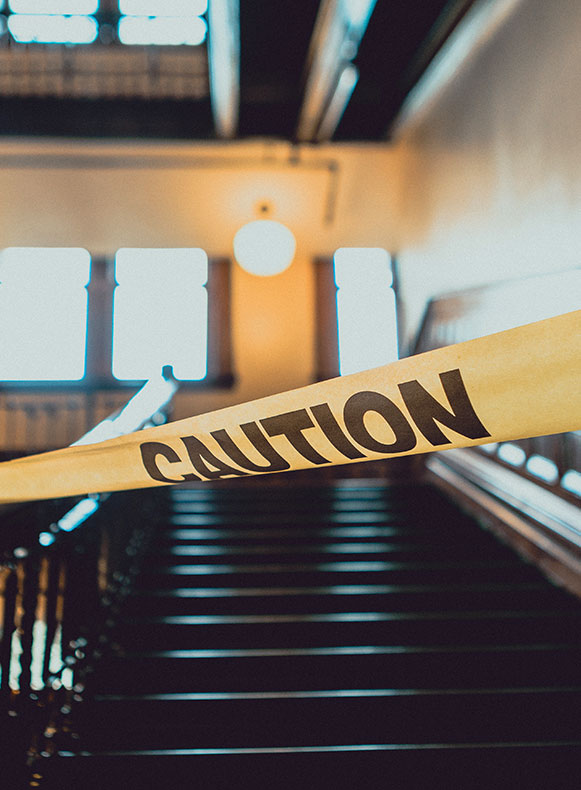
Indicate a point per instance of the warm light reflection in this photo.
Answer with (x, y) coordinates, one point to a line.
(366, 309)
(264, 247)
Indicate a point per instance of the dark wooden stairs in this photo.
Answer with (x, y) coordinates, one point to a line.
(350, 634)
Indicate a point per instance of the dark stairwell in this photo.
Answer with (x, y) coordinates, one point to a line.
(345, 633)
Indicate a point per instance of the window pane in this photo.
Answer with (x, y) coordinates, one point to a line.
(160, 314)
(163, 7)
(366, 310)
(53, 29)
(162, 30)
(54, 6)
(43, 313)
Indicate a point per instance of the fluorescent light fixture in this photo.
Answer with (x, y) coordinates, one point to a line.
(224, 64)
(339, 28)
(52, 29)
(162, 30)
(339, 101)
(358, 12)
(264, 247)
(186, 8)
(54, 6)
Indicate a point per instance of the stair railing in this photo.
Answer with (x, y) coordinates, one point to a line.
(64, 571)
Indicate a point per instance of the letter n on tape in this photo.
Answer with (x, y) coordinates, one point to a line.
(426, 410)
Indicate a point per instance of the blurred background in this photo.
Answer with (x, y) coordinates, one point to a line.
(407, 149)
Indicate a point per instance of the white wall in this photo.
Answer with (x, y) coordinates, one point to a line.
(491, 177)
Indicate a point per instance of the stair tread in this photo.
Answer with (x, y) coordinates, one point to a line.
(331, 633)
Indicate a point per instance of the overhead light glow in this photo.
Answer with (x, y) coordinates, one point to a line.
(339, 101)
(187, 8)
(572, 481)
(162, 30)
(53, 28)
(358, 12)
(338, 32)
(264, 247)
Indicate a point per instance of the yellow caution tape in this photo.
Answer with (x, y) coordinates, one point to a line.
(515, 384)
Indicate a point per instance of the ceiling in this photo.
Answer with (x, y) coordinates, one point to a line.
(107, 89)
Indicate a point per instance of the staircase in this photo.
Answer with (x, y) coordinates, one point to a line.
(343, 635)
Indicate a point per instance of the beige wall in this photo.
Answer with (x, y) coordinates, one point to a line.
(103, 196)
(491, 177)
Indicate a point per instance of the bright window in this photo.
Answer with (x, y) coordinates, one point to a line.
(163, 7)
(54, 6)
(160, 314)
(366, 308)
(162, 22)
(53, 21)
(52, 29)
(43, 313)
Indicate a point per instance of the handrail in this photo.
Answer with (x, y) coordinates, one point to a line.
(528, 490)
(59, 590)
(137, 412)
(144, 409)
(552, 462)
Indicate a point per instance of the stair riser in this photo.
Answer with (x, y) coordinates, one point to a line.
(417, 671)
(304, 722)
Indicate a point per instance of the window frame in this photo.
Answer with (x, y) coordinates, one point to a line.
(99, 338)
(326, 315)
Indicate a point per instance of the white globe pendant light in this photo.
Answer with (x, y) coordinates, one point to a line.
(264, 247)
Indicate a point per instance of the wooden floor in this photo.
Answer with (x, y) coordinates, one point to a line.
(351, 634)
